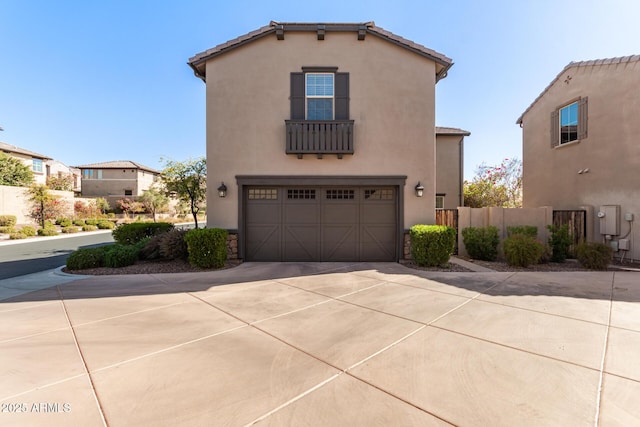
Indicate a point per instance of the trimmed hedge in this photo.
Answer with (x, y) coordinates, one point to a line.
(594, 255)
(525, 230)
(70, 229)
(28, 231)
(47, 231)
(120, 256)
(432, 245)
(130, 234)
(78, 222)
(522, 250)
(207, 247)
(64, 222)
(7, 229)
(16, 235)
(481, 242)
(89, 228)
(8, 220)
(87, 258)
(106, 225)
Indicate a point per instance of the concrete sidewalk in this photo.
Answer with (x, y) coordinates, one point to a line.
(324, 344)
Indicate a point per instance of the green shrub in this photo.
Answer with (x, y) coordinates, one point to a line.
(173, 246)
(16, 235)
(64, 222)
(481, 242)
(28, 231)
(70, 229)
(91, 221)
(79, 222)
(89, 228)
(521, 250)
(432, 245)
(87, 258)
(207, 247)
(106, 225)
(593, 255)
(560, 242)
(151, 248)
(8, 220)
(7, 229)
(120, 256)
(129, 234)
(48, 231)
(525, 230)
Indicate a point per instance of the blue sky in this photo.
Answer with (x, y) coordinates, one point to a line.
(87, 81)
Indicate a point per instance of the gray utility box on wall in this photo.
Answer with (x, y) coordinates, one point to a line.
(609, 219)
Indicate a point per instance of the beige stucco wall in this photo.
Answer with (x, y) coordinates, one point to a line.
(611, 152)
(114, 182)
(392, 101)
(15, 201)
(38, 177)
(448, 169)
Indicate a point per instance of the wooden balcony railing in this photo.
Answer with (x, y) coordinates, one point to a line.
(319, 137)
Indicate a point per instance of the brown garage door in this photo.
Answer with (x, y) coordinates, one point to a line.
(321, 224)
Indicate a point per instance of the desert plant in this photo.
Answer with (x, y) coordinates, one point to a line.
(526, 230)
(481, 242)
(16, 235)
(8, 220)
(69, 229)
(129, 234)
(88, 227)
(79, 222)
(91, 221)
(47, 231)
(28, 231)
(7, 229)
(172, 244)
(594, 255)
(151, 247)
(64, 222)
(432, 245)
(522, 250)
(87, 258)
(207, 247)
(560, 242)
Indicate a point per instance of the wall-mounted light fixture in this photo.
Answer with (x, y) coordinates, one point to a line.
(419, 190)
(222, 190)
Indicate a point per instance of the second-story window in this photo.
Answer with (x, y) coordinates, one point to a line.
(319, 96)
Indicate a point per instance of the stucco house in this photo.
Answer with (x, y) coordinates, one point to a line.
(581, 150)
(449, 167)
(36, 161)
(115, 180)
(321, 137)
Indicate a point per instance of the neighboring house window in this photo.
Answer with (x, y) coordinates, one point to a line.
(319, 93)
(569, 123)
(439, 202)
(92, 173)
(128, 192)
(37, 165)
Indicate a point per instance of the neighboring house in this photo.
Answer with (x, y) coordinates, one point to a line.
(116, 180)
(581, 150)
(37, 162)
(449, 167)
(321, 134)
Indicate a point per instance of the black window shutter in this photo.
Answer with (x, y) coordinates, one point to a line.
(342, 96)
(582, 118)
(297, 96)
(555, 129)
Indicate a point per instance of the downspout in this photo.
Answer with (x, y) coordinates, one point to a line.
(461, 172)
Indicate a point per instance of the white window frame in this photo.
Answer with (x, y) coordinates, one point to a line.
(331, 97)
(37, 165)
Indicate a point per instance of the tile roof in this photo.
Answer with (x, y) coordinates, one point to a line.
(13, 149)
(197, 62)
(593, 62)
(441, 130)
(117, 164)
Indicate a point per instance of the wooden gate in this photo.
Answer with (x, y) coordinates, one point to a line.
(577, 222)
(448, 217)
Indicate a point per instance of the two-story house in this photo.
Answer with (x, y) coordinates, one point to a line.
(321, 137)
(36, 161)
(581, 150)
(116, 180)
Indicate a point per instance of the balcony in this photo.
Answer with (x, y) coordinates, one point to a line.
(318, 137)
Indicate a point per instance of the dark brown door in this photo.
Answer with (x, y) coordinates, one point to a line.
(321, 224)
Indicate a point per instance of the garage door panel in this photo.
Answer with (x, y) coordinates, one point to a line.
(339, 243)
(379, 214)
(301, 242)
(263, 243)
(340, 213)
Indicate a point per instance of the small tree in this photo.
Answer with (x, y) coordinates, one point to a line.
(44, 205)
(495, 186)
(154, 201)
(188, 181)
(13, 172)
(63, 182)
(102, 205)
(125, 206)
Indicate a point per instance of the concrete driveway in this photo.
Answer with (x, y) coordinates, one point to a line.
(326, 344)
